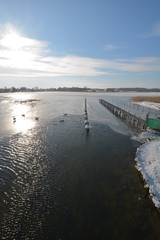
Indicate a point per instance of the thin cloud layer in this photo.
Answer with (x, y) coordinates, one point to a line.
(111, 47)
(156, 30)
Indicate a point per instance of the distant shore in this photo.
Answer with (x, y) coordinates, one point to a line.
(77, 89)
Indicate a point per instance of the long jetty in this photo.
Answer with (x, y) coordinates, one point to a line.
(126, 116)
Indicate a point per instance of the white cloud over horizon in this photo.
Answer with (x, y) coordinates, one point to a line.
(26, 57)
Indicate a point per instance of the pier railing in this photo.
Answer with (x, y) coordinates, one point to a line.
(126, 116)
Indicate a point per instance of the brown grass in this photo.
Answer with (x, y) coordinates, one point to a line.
(147, 99)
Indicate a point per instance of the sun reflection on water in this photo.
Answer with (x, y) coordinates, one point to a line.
(22, 125)
(21, 96)
(22, 117)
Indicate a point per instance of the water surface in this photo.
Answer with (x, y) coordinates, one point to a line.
(58, 182)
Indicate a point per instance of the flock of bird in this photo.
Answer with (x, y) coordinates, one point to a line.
(23, 115)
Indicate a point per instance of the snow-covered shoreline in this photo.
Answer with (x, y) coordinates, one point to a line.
(148, 160)
(148, 163)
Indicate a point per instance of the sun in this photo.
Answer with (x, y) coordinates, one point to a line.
(13, 41)
(18, 49)
(21, 54)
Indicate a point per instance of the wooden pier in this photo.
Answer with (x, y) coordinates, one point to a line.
(126, 116)
(86, 121)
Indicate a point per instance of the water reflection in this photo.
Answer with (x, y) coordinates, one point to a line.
(56, 182)
(22, 118)
(22, 125)
(20, 96)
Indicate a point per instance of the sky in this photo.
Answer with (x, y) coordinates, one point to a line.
(77, 43)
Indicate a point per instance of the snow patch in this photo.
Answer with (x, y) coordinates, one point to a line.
(149, 104)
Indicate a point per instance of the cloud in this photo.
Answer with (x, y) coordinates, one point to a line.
(156, 30)
(139, 65)
(26, 57)
(78, 66)
(111, 47)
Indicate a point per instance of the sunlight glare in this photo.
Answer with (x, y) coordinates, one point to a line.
(19, 50)
(22, 125)
(23, 118)
(21, 96)
(13, 41)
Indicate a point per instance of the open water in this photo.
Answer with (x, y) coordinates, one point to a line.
(59, 182)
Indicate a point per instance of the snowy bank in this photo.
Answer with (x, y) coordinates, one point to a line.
(148, 163)
(149, 104)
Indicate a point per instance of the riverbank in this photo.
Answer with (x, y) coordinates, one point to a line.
(147, 101)
(147, 157)
(155, 99)
(148, 163)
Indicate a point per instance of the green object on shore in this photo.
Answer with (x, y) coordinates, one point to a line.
(153, 123)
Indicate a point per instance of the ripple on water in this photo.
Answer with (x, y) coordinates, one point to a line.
(65, 182)
(29, 163)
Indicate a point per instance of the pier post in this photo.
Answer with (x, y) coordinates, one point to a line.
(146, 121)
